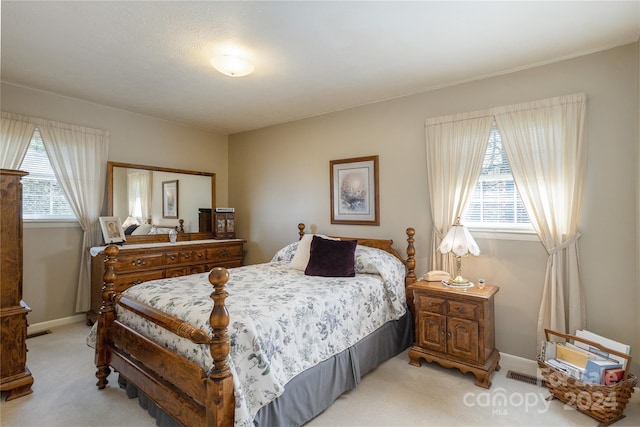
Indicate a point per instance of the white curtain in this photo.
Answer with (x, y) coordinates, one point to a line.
(545, 144)
(139, 185)
(456, 146)
(15, 136)
(78, 158)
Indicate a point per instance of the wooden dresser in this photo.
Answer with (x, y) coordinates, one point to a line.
(144, 262)
(455, 328)
(14, 374)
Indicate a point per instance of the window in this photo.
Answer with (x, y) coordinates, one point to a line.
(42, 196)
(495, 202)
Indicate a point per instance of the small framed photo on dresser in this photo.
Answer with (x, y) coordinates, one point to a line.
(112, 229)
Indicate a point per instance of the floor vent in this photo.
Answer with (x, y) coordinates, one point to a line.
(526, 378)
(38, 334)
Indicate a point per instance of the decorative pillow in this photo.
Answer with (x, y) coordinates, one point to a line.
(285, 254)
(301, 257)
(130, 229)
(331, 258)
(142, 230)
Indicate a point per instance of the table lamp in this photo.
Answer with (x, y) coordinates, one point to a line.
(459, 242)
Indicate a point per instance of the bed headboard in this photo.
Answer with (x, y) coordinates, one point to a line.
(385, 245)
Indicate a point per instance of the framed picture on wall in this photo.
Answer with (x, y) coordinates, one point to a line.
(112, 229)
(170, 199)
(354, 191)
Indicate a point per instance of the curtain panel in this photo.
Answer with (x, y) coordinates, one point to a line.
(545, 144)
(78, 157)
(15, 135)
(455, 151)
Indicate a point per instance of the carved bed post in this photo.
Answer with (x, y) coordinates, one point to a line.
(411, 266)
(106, 317)
(220, 410)
(411, 261)
(300, 230)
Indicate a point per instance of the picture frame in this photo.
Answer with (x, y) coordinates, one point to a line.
(170, 199)
(112, 231)
(354, 191)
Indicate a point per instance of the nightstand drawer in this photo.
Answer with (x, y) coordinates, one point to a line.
(434, 305)
(462, 309)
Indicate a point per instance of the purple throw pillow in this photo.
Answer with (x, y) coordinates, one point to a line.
(331, 258)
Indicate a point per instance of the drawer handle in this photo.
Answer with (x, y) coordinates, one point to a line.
(173, 257)
(430, 304)
(138, 262)
(187, 256)
(449, 334)
(137, 282)
(224, 253)
(199, 255)
(460, 310)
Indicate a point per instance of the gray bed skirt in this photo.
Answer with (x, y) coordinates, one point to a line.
(314, 390)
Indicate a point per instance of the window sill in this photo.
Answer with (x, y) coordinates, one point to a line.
(497, 234)
(50, 223)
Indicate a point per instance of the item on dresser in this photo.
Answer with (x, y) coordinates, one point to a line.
(272, 321)
(150, 261)
(224, 223)
(15, 377)
(455, 328)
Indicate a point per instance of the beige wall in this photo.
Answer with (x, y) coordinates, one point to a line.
(279, 176)
(52, 253)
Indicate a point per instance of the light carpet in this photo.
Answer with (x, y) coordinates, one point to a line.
(394, 394)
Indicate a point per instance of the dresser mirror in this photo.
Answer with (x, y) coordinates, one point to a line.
(136, 191)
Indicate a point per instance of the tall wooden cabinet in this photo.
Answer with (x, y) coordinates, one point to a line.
(14, 374)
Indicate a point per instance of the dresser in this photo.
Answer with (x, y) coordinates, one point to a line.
(14, 374)
(455, 328)
(144, 262)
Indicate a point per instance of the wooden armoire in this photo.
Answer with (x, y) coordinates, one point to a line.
(14, 374)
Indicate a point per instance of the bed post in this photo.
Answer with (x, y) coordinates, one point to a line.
(221, 401)
(300, 231)
(411, 266)
(106, 317)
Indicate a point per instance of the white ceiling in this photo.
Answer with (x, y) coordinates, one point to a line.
(310, 57)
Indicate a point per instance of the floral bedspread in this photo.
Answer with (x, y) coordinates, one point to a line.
(282, 322)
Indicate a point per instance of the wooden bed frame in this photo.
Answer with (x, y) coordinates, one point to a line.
(178, 386)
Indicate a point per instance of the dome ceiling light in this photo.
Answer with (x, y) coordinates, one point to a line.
(231, 65)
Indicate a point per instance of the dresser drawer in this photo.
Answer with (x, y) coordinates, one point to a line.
(184, 257)
(461, 309)
(426, 303)
(125, 281)
(139, 262)
(224, 252)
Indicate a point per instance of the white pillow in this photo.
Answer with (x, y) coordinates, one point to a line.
(142, 230)
(301, 257)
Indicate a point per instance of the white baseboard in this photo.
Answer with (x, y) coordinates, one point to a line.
(43, 326)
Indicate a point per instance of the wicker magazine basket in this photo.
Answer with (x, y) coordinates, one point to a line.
(605, 403)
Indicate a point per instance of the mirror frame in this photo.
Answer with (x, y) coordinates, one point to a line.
(156, 238)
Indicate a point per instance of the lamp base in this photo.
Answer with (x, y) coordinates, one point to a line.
(459, 282)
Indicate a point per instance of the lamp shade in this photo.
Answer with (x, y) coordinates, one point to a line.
(459, 241)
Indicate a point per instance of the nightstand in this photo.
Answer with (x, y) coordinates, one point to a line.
(455, 328)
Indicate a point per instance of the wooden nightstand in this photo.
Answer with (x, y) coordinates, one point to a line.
(455, 328)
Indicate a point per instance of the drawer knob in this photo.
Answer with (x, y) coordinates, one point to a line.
(460, 310)
(138, 262)
(224, 253)
(187, 256)
(173, 257)
(430, 304)
(199, 255)
(137, 282)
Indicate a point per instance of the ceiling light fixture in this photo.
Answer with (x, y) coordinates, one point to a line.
(233, 66)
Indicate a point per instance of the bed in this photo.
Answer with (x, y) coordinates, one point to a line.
(198, 354)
